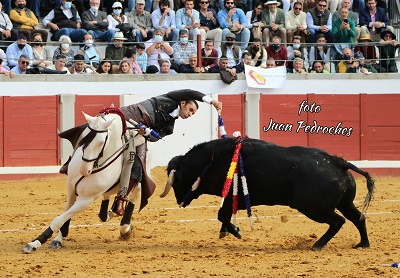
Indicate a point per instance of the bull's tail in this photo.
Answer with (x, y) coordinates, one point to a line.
(370, 186)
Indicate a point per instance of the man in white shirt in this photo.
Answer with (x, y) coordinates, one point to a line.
(164, 18)
(296, 23)
(230, 51)
(157, 49)
(188, 18)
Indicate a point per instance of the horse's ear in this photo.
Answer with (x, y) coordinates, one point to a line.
(106, 124)
(89, 118)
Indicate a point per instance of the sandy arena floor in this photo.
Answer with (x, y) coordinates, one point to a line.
(172, 242)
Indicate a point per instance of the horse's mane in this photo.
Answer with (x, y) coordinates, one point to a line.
(112, 110)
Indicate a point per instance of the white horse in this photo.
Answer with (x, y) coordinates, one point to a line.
(95, 167)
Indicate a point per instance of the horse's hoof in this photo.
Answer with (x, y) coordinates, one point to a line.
(223, 234)
(55, 244)
(126, 233)
(27, 249)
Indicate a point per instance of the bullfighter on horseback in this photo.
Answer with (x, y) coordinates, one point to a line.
(158, 113)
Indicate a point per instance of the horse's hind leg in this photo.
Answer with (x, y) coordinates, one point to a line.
(354, 215)
(126, 228)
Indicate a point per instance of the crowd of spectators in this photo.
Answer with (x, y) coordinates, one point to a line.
(145, 36)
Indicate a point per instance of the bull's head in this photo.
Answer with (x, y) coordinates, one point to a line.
(175, 180)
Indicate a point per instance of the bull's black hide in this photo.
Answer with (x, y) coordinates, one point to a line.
(307, 179)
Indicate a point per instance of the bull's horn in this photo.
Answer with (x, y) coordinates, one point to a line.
(168, 186)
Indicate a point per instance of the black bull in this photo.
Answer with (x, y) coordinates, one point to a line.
(307, 179)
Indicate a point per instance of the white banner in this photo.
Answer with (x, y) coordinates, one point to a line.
(265, 78)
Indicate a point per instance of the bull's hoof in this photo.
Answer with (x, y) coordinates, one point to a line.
(238, 232)
(55, 244)
(363, 245)
(223, 234)
(27, 249)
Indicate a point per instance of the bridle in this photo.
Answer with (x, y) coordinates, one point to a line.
(87, 140)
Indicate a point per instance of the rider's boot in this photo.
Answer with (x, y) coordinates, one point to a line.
(118, 206)
(64, 168)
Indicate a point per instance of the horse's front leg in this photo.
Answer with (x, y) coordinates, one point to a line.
(126, 228)
(104, 214)
(224, 216)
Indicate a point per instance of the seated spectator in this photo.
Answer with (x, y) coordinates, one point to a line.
(25, 21)
(183, 49)
(164, 18)
(126, 4)
(65, 21)
(246, 60)
(359, 66)
(254, 21)
(209, 55)
(258, 54)
(223, 65)
(387, 51)
(298, 66)
(65, 49)
(117, 21)
(230, 50)
(116, 51)
(296, 23)
(96, 23)
(152, 5)
(130, 57)
(352, 15)
(273, 19)
(209, 26)
(140, 21)
(271, 63)
(3, 59)
(319, 21)
(22, 65)
(157, 50)
(79, 66)
(59, 64)
(343, 31)
(92, 54)
(347, 60)
(297, 50)
(105, 67)
(7, 32)
(124, 68)
(277, 51)
(318, 67)
(367, 48)
(141, 56)
(192, 67)
(321, 52)
(16, 49)
(165, 68)
(188, 18)
(5, 71)
(41, 54)
(373, 20)
(233, 20)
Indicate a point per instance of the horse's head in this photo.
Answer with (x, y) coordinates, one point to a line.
(94, 142)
